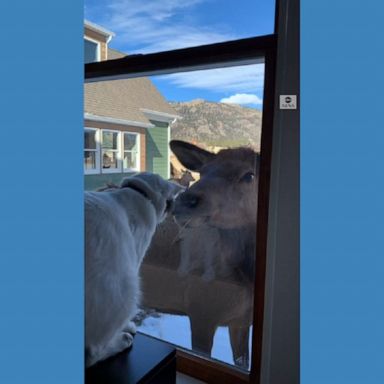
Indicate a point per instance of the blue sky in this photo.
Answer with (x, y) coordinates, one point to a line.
(156, 25)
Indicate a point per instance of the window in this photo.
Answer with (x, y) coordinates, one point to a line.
(221, 110)
(131, 151)
(91, 151)
(237, 52)
(91, 51)
(110, 151)
(197, 292)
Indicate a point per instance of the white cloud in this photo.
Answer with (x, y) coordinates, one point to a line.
(243, 99)
(239, 79)
(154, 25)
(160, 25)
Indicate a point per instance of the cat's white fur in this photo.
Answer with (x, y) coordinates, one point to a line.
(119, 225)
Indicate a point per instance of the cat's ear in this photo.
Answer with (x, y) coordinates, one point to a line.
(139, 185)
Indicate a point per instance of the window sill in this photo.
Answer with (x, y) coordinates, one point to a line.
(149, 361)
(114, 170)
(95, 172)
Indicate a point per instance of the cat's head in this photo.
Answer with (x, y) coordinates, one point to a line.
(160, 192)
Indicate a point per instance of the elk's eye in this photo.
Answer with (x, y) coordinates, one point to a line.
(248, 177)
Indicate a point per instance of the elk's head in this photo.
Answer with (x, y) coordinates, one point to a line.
(226, 194)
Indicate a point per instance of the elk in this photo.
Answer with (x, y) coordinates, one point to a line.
(205, 270)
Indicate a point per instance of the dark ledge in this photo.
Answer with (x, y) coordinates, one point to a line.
(148, 361)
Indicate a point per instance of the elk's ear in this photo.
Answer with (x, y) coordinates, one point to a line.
(190, 156)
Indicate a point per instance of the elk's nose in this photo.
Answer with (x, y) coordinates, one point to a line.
(189, 200)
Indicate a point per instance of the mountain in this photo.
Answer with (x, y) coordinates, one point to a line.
(216, 124)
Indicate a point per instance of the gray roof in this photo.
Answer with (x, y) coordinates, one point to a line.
(115, 54)
(124, 99)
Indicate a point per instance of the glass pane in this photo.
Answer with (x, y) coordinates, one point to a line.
(130, 142)
(198, 274)
(109, 140)
(89, 139)
(197, 277)
(89, 160)
(109, 160)
(90, 51)
(130, 160)
(162, 25)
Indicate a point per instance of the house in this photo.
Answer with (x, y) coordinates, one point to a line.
(127, 122)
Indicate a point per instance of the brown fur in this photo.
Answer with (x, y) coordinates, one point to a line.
(206, 270)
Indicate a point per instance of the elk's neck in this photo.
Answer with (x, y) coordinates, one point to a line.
(240, 247)
(246, 234)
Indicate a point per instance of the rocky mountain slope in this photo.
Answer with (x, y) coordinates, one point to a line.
(217, 124)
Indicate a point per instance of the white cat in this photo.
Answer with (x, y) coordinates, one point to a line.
(119, 225)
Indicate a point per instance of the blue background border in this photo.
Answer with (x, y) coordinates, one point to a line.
(342, 192)
(41, 249)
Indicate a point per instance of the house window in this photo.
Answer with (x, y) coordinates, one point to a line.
(110, 151)
(131, 151)
(91, 151)
(91, 51)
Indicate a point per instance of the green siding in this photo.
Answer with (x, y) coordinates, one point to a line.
(157, 149)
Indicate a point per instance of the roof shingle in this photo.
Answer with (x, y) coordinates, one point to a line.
(124, 98)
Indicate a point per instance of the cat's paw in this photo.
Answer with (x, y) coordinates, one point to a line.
(127, 339)
(120, 342)
(130, 327)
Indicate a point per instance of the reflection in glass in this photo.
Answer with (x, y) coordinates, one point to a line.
(89, 160)
(110, 149)
(110, 140)
(91, 51)
(130, 157)
(130, 141)
(109, 160)
(89, 138)
(129, 160)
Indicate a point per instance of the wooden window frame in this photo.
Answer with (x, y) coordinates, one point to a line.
(231, 53)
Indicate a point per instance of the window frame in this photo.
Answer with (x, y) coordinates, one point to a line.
(96, 150)
(120, 152)
(245, 51)
(98, 47)
(138, 154)
(118, 168)
(229, 53)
